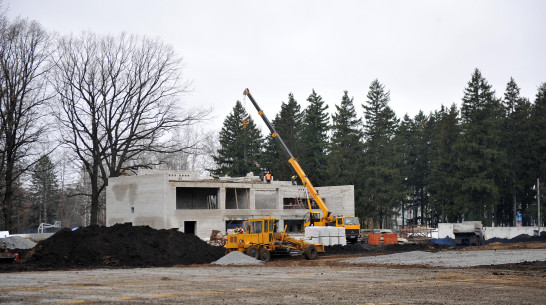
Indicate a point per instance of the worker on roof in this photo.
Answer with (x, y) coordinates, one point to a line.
(294, 182)
(268, 177)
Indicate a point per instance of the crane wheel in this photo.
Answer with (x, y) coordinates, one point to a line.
(265, 255)
(310, 252)
(252, 251)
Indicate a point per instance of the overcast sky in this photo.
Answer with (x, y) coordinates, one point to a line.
(424, 52)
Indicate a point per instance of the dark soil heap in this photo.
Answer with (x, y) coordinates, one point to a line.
(518, 239)
(122, 245)
(362, 248)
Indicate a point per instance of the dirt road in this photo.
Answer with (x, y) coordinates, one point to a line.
(327, 282)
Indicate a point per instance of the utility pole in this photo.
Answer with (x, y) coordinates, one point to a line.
(538, 203)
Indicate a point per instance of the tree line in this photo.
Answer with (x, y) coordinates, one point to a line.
(87, 106)
(479, 162)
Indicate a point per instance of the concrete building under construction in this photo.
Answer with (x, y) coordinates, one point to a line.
(179, 199)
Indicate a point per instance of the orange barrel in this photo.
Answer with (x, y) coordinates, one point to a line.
(390, 239)
(374, 239)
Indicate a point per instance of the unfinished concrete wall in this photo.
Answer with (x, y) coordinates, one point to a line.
(266, 199)
(339, 199)
(136, 199)
(166, 200)
(446, 229)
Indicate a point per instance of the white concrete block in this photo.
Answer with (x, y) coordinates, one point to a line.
(311, 232)
(324, 240)
(323, 231)
(314, 240)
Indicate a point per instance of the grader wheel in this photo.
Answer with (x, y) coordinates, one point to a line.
(265, 255)
(252, 251)
(310, 252)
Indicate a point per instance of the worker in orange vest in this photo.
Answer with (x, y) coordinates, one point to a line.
(268, 177)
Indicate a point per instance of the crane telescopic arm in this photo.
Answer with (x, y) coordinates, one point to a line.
(326, 217)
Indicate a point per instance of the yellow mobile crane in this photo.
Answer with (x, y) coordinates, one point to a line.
(350, 223)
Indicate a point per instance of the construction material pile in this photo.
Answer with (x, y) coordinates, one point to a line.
(455, 258)
(17, 242)
(518, 239)
(361, 248)
(237, 258)
(122, 245)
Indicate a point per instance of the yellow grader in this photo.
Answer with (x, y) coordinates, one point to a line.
(259, 240)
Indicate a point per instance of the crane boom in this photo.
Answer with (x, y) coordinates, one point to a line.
(326, 214)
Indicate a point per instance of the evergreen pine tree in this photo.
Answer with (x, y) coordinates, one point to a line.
(315, 139)
(45, 191)
(481, 161)
(538, 119)
(405, 147)
(382, 178)
(415, 166)
(288, 123)
(345, 158)
(516, 143)
(240, 148)
(443, 187)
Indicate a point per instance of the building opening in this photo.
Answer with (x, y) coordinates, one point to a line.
(237, 198)
(189, 227)
(299, 203)
(191, 198)
(232, 224)
(294, 226)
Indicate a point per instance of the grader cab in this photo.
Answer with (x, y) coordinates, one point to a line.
(259, 239)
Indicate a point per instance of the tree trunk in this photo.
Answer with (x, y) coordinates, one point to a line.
(7, 207)
(514, 201)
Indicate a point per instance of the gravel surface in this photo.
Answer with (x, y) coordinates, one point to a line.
(455, 258)
(227, 285)
(237, 258)
(17, 242)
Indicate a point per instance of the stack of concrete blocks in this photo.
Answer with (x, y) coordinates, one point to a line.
(338, 235)
(312, 234)
(329, 236)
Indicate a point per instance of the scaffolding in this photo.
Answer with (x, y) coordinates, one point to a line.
(45, 226)
(418, 234)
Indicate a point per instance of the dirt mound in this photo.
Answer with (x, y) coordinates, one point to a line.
(518, 239)
(122, 245)
(362, 248)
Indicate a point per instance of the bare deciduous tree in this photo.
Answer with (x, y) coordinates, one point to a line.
(196, 145)
(118, 98)
(24, 48)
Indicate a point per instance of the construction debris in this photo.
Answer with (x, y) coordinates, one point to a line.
(17, 242)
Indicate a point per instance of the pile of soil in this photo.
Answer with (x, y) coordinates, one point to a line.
(518, 239)
(362, 248)
(121, 245)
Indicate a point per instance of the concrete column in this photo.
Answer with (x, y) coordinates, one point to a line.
(222, 198)
(280, 196)
(252, 198)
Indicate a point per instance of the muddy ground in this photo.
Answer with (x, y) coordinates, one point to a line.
(95, 266)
